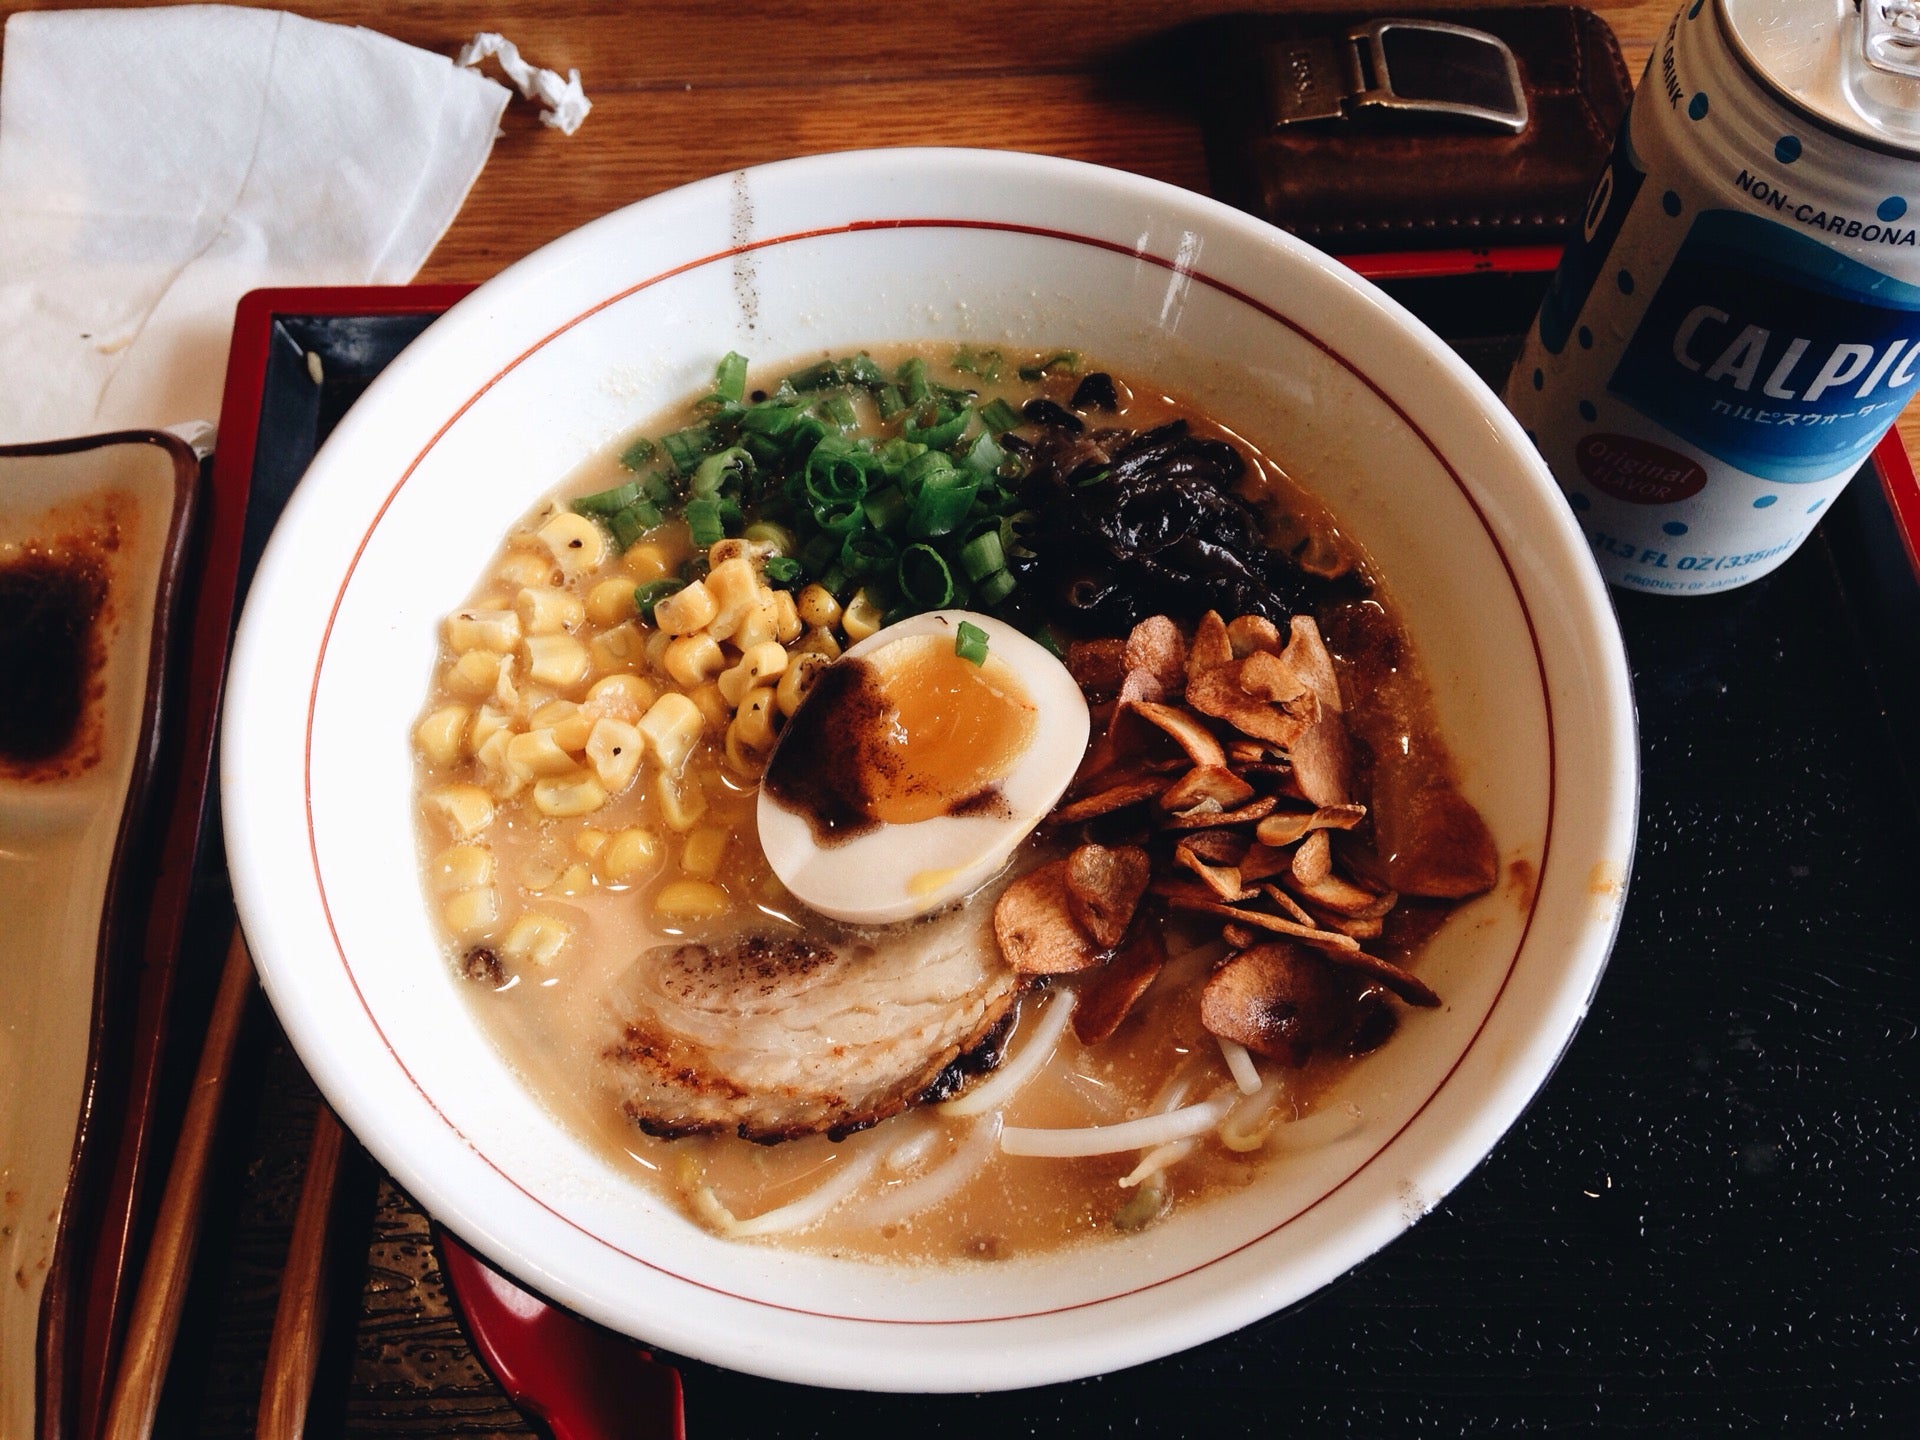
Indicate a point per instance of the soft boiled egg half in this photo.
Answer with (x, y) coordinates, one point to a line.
(916, 765)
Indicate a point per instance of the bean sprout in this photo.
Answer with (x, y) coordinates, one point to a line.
(1240, 1065)
(1142, 1134)
(1010, 1078)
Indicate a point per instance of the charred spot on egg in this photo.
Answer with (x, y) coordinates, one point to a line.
(912, 771)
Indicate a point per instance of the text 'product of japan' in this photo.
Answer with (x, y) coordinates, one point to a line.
(1738, 320)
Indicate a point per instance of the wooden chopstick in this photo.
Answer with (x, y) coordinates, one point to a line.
(155, 1319)
(299, 1321)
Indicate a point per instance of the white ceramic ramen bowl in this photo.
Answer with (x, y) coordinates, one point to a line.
(544, 366)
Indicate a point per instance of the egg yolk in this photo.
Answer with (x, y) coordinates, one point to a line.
(904, 734)
(956, 728)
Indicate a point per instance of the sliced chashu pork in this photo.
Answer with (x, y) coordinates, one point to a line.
(778, 1036)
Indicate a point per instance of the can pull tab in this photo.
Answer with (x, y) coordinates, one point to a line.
(1890, 31)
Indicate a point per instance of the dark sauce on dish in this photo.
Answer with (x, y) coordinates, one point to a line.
(819, 769)
(49, 606)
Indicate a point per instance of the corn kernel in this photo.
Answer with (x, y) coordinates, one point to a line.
(715, 713)
(590, 842)
(817, 607)
(735, 589)
(682, 800)
(564, 797)
(610, 602)
(706, 847)
(688, 609)
(495, 630)
(818, 641)
(576, 879)
(762, 665)
(621, 697)
(535, 939)
(614, 749)
(463, 867)
(521, 568)
(694, 659)
(442, 736)
(570, 724)
(578, 545)
(759, 625)
(672, 725)
(472, 914)
(474, 674)
(690, 900)
(557, 660)
(861, 618)
(754, 720)
(547, 611)
(467, 807)
(786, 618)
(648, 560)
(797, 679)
(627, 856)
(536, 755)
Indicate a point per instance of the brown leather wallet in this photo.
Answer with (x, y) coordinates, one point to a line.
(1414, 130)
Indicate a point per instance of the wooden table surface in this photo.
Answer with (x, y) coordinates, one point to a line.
(682, 89)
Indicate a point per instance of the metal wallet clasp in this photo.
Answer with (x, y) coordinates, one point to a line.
(1414, 68)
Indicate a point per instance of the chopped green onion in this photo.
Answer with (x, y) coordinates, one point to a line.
(638, 453)
(1066, 360)
(913, 380)
(730, 378)
(999, 417)
(970, 643)
(635, 520)
(646, 596)
(982, 555)
(992, 589)
(942, 430)
(889, 400)
(925, 581)
(1045, 639)
(941, 505)
(704, 525)
(711, 475)
(888, 509)
(815, 377)
(840, 410)
(984, 363)
(603, 503)
(685, 448)
(783, 570)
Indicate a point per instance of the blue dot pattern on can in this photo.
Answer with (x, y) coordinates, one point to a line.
(1694, 9)
(1625, 281)
(1891, 208)
(1587, 412)
(1787, 149)
(1697, 106)
(1585, 337)
(1670, 202)
(1764, 501)
(1580, 502)
(1539, 379)
(1815, 506)
(1674, 527)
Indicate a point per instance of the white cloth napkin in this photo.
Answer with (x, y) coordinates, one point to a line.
(155, 165)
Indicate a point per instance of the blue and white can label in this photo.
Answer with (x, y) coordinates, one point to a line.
(1735, 327)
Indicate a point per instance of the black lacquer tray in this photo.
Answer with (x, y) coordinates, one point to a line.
(1706, 1222)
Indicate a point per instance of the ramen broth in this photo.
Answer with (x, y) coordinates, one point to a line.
(643, 867)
